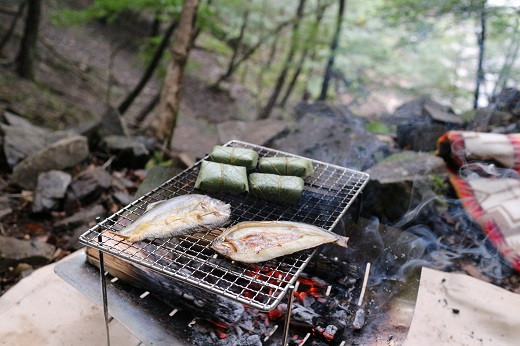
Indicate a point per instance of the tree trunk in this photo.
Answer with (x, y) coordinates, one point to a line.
(287, 63)
(27, 52)
(236, 49)
(166, 120)
(156, 25)
(333, 48)
(10, 31)
(159, 52)
(265, 67)
(146, 110)
(481, 44)
(509, 61)
(264, 38)
(310, 41)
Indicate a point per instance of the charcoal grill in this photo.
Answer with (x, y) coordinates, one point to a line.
(327, 195)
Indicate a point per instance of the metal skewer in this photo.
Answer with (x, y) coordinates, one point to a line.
(288, 315)
(103, 288)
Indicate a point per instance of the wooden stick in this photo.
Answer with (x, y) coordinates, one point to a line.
(363, 288)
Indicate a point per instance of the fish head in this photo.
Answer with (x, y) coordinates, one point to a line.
(224, 247)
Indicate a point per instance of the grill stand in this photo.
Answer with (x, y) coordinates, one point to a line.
(327, 196)
(288, 315)
(104, 289)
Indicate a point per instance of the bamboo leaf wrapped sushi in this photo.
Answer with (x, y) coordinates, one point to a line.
(296, 166)
(214, 176)
(234, 156)
(276, 188)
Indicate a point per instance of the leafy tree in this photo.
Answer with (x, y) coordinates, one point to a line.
(166, 119)
(295, 37)
(333, 49)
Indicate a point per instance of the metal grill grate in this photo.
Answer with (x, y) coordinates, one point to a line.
(327, 195)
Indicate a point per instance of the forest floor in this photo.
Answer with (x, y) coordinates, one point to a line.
(81, 70)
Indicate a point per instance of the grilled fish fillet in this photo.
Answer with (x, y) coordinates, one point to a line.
(257, 241)
(176, 216)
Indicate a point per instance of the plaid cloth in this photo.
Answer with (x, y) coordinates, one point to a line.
(484, 170)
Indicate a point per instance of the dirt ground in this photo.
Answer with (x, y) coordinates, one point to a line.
(82, 69)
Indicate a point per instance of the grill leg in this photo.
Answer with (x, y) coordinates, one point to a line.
(103, 288)
(288, 316)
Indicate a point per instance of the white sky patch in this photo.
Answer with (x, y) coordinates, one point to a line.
(508, 3)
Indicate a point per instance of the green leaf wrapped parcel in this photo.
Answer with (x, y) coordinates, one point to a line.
(234, 156)
(276, 188)
(296, 166)
(214, 176)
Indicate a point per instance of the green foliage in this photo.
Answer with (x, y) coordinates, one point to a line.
(399, 11)
(375, 126)
(111, 9)
(158, 159)
(438, 184)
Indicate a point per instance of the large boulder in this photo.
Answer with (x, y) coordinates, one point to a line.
(486, 120)
(333, 134)
(508, 101)
(22, 139)
(259, 132)
(422, 121)
(156, 176)
(14, 251)
(59, 155)
(50, 189)
(401, 182)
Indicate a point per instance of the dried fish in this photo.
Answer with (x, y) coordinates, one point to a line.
(257, 241)
(176, 216)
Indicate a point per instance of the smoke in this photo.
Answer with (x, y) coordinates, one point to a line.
(437, 234)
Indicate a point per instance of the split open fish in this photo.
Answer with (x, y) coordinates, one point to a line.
(258, 241)
(177, 216)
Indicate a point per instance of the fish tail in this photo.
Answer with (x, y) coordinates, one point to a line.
(341, 241)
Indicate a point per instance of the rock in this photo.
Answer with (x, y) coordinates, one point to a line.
(62, 154)
(155, 177)
(195, 137)
(112, 124)
(87, 129)
(83, 217)
(88, 186)
(14, 251)
(337, 138)
(50, 189)
(508, 100)
(401, 182)
(439, 113)
(131, 152)
(259, 132)
(487, 119)
(23, 139)
(123, 198)
(18, 121)
(323, 109)
(73, 243)
(6, 206)
(422, 121)
(419, 136)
